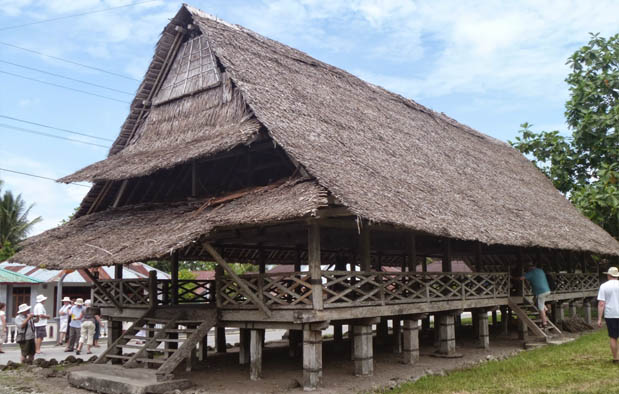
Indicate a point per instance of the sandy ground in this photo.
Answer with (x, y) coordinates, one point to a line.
(222, 374)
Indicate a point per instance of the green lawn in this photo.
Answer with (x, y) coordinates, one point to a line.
(581, 366)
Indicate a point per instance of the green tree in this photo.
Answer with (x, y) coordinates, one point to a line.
(584, 166)
(14, 223)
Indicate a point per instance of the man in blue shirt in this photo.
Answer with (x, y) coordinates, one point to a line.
(541, 289)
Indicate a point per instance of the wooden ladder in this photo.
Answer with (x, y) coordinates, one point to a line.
(530, 315)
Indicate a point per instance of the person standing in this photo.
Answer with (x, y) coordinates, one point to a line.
(77, 312)
(608, 306)
(88, 328)
(64, 312)
(541, 289)
(25, 333)
(3, 329)
(40, 322)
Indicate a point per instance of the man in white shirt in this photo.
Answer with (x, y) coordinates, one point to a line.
(608, 306)
(64, 312)
(40, 322)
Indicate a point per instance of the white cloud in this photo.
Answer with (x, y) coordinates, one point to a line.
(52, 201)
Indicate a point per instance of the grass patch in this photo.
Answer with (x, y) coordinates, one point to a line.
(581, 366)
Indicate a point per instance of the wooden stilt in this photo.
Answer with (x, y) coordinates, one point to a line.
(562, 308)
(220, 339)
(483, 333)
(114, 332)
(244, 339)
(397, 336)
(364, 247)
(255, 351)
(573, 309)
(337, 334)
(363, 352)
(410, 350)
(203, 349)
(587, 306)
(504, 320)
(447, 334)
(313, 255)
(523, 330)
(475, 321)
(312, 359)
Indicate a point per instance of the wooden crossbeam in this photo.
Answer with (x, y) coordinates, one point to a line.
(103, 290)
(220, 260)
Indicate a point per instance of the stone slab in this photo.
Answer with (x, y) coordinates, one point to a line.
(113, 379)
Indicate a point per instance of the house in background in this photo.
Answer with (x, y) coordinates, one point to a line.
(21, 284)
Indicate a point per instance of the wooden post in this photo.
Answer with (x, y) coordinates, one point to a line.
(573, 309)
(410, 350)
(312, 359)
(504, 320)
(174, 278)
(447, 334)
(338, 336)
(313, 254)
(297, 264)
(478, 263)
(475, 321)
(255, 352)
(494, 318)
(203, 348)
(412, 252)
(424, 264)
(520, 268)
(364, 247)
(447, 255)
(152, 289)
(118, 271)
(244, 339)
(363, 353)
(562, 307)
(220, 339)
(382, 330)
(115, 330)
(397, 336)
(523, 330)
(587, 306)
(483, 333)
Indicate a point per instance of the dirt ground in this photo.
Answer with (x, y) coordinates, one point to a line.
(281, 374)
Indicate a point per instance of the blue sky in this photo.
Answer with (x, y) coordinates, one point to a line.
(490, 65)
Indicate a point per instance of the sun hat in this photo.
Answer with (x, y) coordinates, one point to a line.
(613, 271)
(41, 298)
(66, 299)
(88, 302)
(79, 301)
(23, 308)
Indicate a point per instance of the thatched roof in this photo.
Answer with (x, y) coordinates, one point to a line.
(151, 231)
(387, 158)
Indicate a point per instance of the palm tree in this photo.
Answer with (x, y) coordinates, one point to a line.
(14, 223)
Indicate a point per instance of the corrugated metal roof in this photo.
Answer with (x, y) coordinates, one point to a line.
(7, 276)
(133, 271)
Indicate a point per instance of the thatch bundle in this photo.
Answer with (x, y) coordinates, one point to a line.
(150, 231)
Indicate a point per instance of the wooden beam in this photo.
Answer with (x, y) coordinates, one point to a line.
(211, 250)
(412, 252)
(118, 271)
(174, 277)
(123, 186)
(447, 255)
(103, 289)
(313, 257)
(364, 246)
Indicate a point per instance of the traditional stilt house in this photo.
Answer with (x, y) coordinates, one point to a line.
(240, 149)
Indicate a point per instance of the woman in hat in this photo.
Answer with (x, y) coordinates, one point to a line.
(88, 327)
(64, 311)
(25, 333)
(40, 321)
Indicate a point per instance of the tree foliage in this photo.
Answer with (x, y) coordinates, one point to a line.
(585, 166)
(194, 265)
(14, 223)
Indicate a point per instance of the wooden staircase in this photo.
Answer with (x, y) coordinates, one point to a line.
(530, 315)
(167, 343)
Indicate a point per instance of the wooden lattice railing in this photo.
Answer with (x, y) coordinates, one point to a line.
(277, 290)
(136, 292)
(343, 288)
(340, 288)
